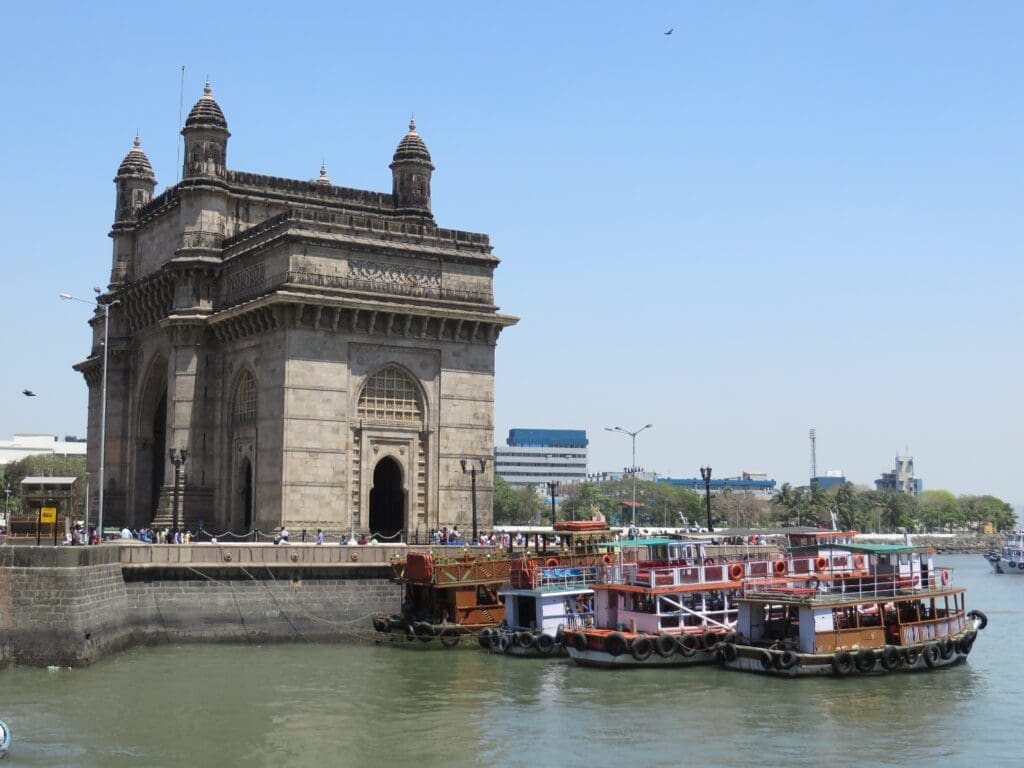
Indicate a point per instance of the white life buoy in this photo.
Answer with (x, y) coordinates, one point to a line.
(5, 738)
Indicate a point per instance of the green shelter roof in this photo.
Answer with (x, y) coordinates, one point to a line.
(641, 542)
(887, 549)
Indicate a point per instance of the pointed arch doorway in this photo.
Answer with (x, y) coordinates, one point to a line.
(387, 499)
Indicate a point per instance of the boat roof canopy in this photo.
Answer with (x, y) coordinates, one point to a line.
(652, 542)
(887, 549)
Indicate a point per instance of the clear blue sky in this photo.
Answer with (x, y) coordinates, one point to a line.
(783, 215)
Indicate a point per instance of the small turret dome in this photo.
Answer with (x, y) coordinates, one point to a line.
(136, 163)
(323, 176)
(206, 113)
(412, 147)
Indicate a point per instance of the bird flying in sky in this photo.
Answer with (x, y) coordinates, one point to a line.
(28, 393)
(670, 31)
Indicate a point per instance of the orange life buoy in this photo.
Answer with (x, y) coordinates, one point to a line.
(780, 568)
(858, 561)
(945, 577)
(821, 563)
(606, 559)
(551, 562)
(735, 571)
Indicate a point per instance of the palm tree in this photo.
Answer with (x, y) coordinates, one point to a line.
(787, 498)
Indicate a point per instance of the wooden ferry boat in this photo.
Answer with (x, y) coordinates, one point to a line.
(452, 598)
(904, 614)
(663, 602)
(446, 598)
(1010, 558)
(541, 604)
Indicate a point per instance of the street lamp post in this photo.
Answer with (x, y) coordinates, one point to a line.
(552, 487)
(7, 506)
(705, 473)
(105, 306)
(178, 458)
(468, 466)
(632, 468)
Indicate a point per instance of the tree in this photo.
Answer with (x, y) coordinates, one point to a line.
(531, 508)
(987, 509)
(508, 507)
(938, 510)
(740, 510)
(846, 507)
(787, 501)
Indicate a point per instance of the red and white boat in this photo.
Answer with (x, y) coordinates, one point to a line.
(663, 602)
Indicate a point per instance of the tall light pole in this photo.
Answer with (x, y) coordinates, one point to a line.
(105, 306)
(552, 487)
(632, 469)
(705, 474)
(469, 467)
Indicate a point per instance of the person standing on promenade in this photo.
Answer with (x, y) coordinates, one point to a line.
(319, 536)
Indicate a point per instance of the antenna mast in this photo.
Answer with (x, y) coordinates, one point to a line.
(814, 453)
(181, 109)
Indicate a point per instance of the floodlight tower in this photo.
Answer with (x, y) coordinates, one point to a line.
(814, 454)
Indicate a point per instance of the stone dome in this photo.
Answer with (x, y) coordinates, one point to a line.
(411, 147)
(206, 112)
(136, 163)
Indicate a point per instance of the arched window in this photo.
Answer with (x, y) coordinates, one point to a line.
(390, 395)
(243, 410)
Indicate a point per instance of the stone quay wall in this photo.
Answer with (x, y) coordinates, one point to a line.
(73, 606)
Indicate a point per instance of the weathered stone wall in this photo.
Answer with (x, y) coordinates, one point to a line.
(256, 606)
(61, 606)
(73, 606)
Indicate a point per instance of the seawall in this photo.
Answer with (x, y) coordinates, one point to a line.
(72, 606)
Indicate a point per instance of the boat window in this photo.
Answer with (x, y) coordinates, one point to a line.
(845, 617)
(486, 595)
(908, 612)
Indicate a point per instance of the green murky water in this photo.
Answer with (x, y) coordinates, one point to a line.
(316, 705)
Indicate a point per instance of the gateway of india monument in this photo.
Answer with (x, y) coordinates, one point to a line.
(325, 355)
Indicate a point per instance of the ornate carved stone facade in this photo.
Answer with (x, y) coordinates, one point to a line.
(325, 354)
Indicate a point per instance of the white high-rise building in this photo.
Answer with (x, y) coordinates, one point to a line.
(532, 457)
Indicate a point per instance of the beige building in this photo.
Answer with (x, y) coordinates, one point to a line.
(324, 354)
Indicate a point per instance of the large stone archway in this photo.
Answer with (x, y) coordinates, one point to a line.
(150, 445)
(242, 447)
(387, 499)
(390, 447)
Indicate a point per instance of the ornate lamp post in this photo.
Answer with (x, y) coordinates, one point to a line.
(178, 458)
(105, 306)
(469, 467)
(633, 468)
(705, 473)
(552, 487)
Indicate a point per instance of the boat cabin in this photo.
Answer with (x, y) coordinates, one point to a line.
(557, 598)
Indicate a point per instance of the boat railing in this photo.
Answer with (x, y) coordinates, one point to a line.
(572, 577)
(820, 587)
(639, 574)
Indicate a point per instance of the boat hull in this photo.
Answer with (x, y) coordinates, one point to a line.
(915, 658)
(605, 660)
(1007, 566)
(505, 642)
